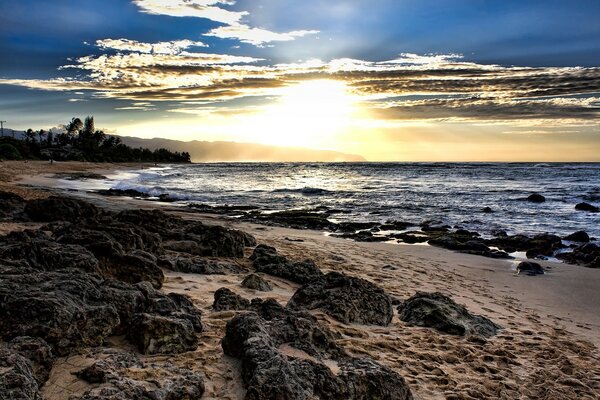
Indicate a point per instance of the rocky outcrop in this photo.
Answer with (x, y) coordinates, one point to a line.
(17, 380)
(37, 352)
(437, 311)
(586, 207)
(268, 373)
(540, 245)
(155, 334)
(226, 299)
(121, 376)
(256, 282)
(587, 254)
(57, 208)
(266, 260)
(579, 236)
(11, 205)
(345, 298)
(203, 266)
(466, 242)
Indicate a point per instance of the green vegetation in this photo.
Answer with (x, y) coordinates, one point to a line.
(80, 141)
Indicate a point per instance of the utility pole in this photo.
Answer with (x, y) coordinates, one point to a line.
(2, 127)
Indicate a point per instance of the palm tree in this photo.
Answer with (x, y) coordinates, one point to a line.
(41, 135)
(30, 136)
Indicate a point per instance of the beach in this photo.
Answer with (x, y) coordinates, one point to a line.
(546, 347)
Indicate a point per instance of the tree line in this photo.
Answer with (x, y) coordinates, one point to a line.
(81, 141)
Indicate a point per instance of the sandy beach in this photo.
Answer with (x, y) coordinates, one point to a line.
(548, 347)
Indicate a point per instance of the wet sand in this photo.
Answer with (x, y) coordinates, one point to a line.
(547, 349)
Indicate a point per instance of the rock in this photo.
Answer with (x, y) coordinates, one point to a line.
(587, 254)
(39, 354)
(297, 219)
(579, 236)
(355, 226)
(17, 380)
(409, 238)
(74, 176)
(217, 241)
(204, 266)
(536, 198)
(154, 334)
(123, 376)
(256, 282)
(544, 244)
(435, 310)
(487, 210)
(394, 225)
(57, 208)
(266, 260)
(586, 207)
(530, 268)
(256, 338)
(462, 241)
(347, 299)
(226, 300)
(361, 236)
(10, 205)
(122, 192)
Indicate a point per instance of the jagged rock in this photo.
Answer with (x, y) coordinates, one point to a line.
(266, 260)
(465, 242)
(10, 205)
(345, 298)
(586, 207)
(544, 244)
(355, 226)
(530, 268)
(256, 282)
(204, 266)
(61, 308)
(361, 236)
(154, 334)
(39, 354)
(579, 236)
(120, 378)
(298, 219)
(75, 176)
(435, 310)
(393, 225)
(57, 208)
(256, 338)
(409, 238)
(226, 299)
(17, 380)
(487, 210)
(587, 254)
(122, 192)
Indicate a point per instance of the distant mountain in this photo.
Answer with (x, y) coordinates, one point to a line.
(203, 151)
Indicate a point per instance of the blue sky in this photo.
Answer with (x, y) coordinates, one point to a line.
(255, 38)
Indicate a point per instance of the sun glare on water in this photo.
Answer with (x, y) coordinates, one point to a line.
(309, 114)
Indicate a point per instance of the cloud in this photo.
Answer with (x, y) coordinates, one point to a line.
(208, 9)
(212, 10)
(256, 36)
(173, 47)
(407, 88)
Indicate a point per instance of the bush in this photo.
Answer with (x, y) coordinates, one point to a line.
(9, 152)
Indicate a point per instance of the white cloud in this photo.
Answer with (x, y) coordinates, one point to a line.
(208, 9)
(256, 36)
(173, 47)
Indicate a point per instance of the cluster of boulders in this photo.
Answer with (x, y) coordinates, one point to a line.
(89, 274)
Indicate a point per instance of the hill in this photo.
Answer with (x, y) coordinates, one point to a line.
(204, 151)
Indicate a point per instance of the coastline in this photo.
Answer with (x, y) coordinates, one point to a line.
(544, 318)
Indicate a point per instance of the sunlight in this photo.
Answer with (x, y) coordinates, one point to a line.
(309, 114)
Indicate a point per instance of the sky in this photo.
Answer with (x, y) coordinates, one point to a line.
(391, 80)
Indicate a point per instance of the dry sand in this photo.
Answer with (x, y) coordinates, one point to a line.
(547, 349)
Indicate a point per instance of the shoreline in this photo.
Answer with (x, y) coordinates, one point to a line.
(538, 314)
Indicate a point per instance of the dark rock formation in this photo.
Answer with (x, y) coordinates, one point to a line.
(17, 380)
(256, 282)
(256, 337)
(56, 208)
(362, 236)
(226, 299)
(204, 266)
(487, 210)
(409, 238)
(120, 377)
(122, 192)
(393, 225)
(586, 207)
(345, 298)
(530, 268)
(298, 219)
(587, 254)
(539, 245)
(266, 260)
(155, 334)
(10, 205)
(39, 354)
(466, 242)
(536, 198)
(435, 310)
(579, 236)
(355, 226)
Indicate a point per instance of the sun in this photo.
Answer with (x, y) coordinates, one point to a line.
(307, 114)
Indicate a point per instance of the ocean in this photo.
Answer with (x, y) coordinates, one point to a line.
(451, 193)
